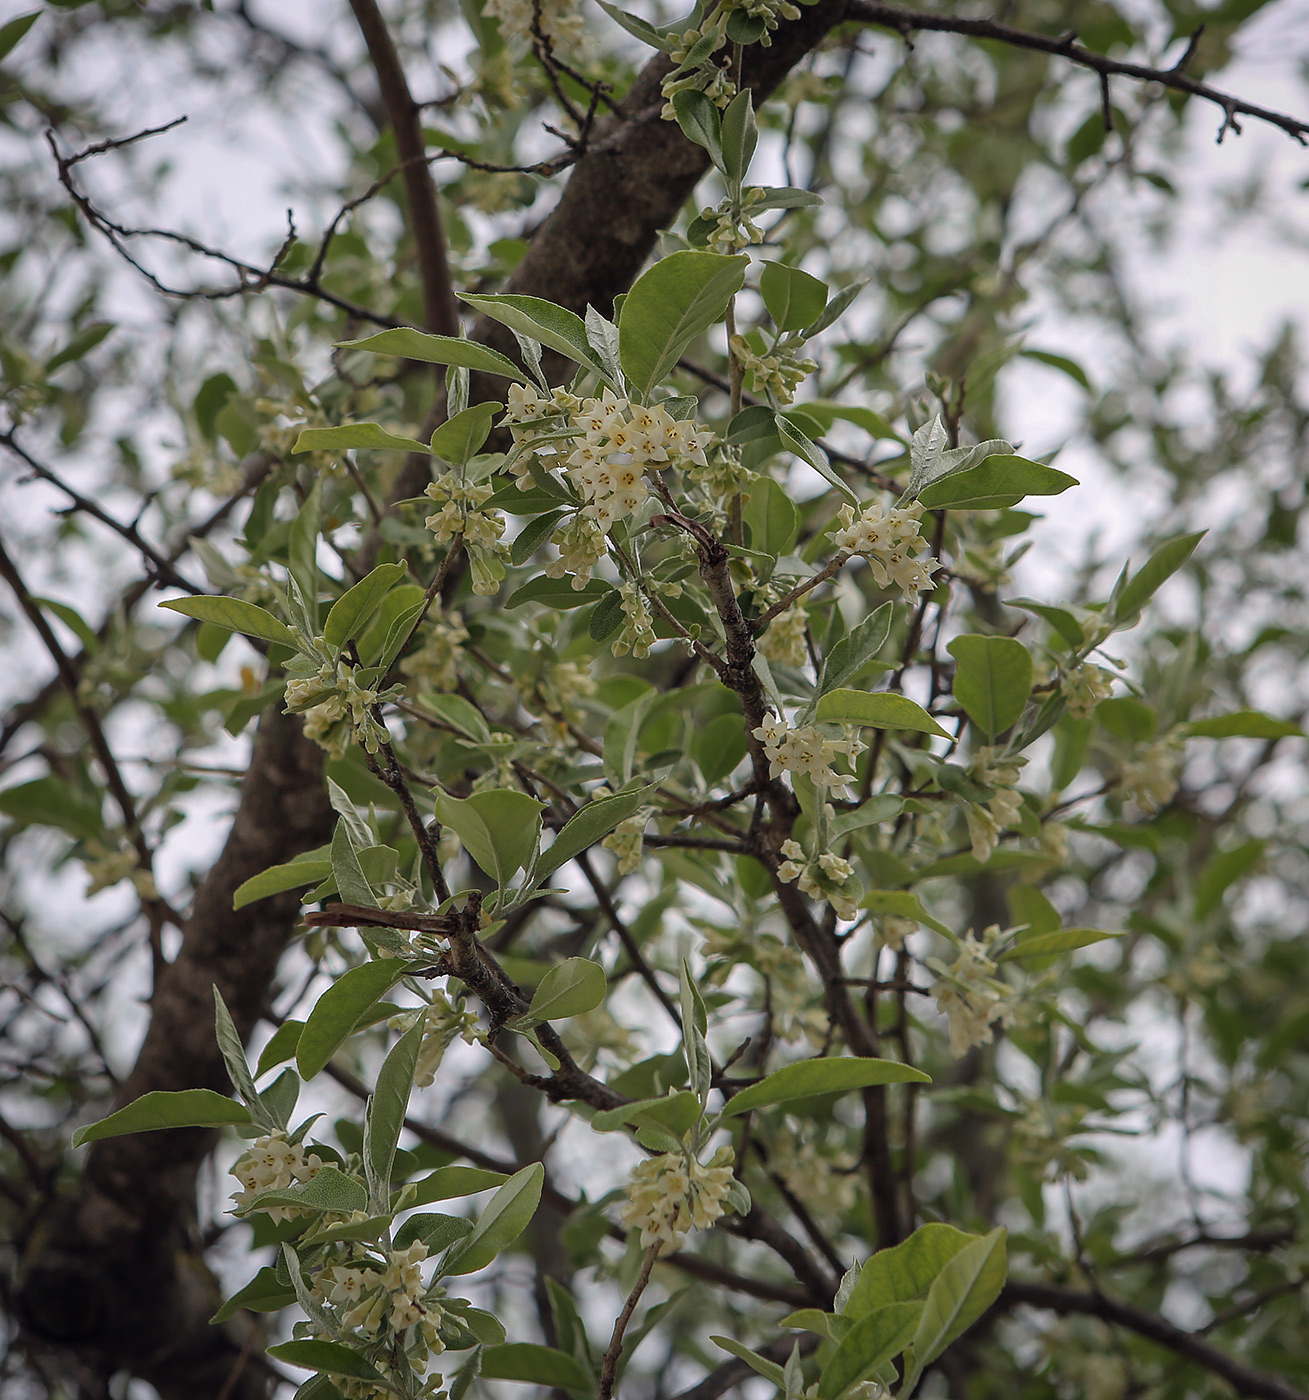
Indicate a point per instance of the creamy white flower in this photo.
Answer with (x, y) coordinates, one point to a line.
(671, 1194)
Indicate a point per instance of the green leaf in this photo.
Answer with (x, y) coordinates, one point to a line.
(51, 802)
(354, 609)
(339, 1010)
(993, 679)
(1050, 944)
(905, 905)
(1063, 622)
(1061, 362)
(1243, 724)
(351, 883)
(331, 1357)
(236, 615)
(385, 1117)
(459, 714)
(830, 1325)
(438, 350)
(538, 1365)
(904, 1273)
(1161, 565)
(233, 1053)
(670, 304)
(1128, 718)
(264, 1293)
(437, 1232)
(12, 32)
(1222, 871)
(635, 26)
(330, 1191)
(559, 593)
(794, 299)
(446, 1183)
(740, 136)
(700, 122)
(962, 1292)
(855, 650)
(458, 438)
(868, 1346)
(552, 325)
(166, 1108)
(606, 617)
(505, 1218)
(787, 197)
(280, 1048)
(677, 1112)
(367, 437)
(995, 484)
(279, 878)
(533, 535)
(86, 339)
(498, 828)
(772, 517)
(571, 988)
(882, 709)
(588, 825)
(796, 441)
(836, 1074)
(770, 1370)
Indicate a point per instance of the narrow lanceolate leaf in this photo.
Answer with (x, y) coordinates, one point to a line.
(315, 1355)
(552, 325)
(351, 882)
(347, 437)
(279, 878)
(589, 825)
(437, 1232)
(505, 1218)
(339, 1010)
(962, 1292)
(330, 1191)
(811, 1078)
(677, 299)
(740, 136)
(676, 1112)
(1047, 945)
(571, 988)
(1243, 724)
(533, 535)
(438, 350)
(868, 1346)
(264, 1293)
(700, 122)
(537, 1365)
(796, 441)
(994, 484)
(354, 609)
(881, 709)
(166, 1108)
(1161, 566)
(386, 1112)
(993, 679)
(236, 615)
(447, 1183)
(770, 1370)
(238, 1070)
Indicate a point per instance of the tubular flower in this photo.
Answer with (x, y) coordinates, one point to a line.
(272, 1163)
(805, 750)
(672, 1194)
(1084, 687)
(970, 996)
(888, 539)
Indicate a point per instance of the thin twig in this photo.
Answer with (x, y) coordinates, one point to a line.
(609, 1367)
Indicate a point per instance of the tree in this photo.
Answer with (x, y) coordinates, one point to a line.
(664, 833)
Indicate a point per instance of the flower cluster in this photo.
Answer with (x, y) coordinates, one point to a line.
(970, 995)
(581, 545)
(333, 703)
(779, 372)
(806, 749)
(708, 77)
(784, 642)
(637, 634)
(1150, 776)
(435, 665)
(461, 516)
(888, 539)
(627, 842)
(985, 823)
(828, 876)
(1083, 687)
(672, 1194)
(272, 1163)
(732, 228)
(443, 1022)
(772, 12)
(559, 20)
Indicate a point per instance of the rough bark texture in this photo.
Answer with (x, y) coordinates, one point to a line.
(114, 1277)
